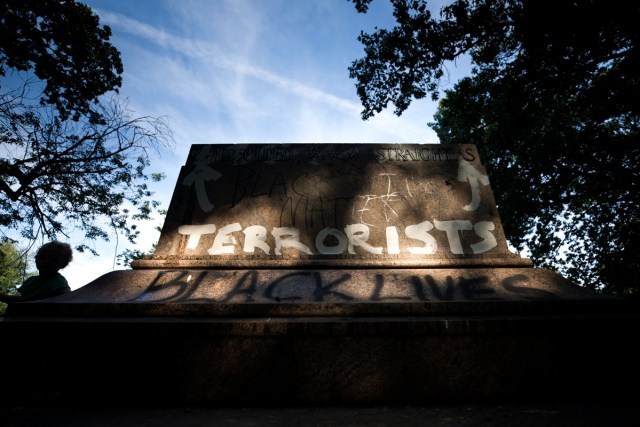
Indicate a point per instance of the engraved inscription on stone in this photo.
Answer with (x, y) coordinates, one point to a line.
(330, 204)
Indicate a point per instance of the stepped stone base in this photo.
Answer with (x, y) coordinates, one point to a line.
(140, 337)
(305, 292)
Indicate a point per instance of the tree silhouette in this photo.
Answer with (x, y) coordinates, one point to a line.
(553, 105)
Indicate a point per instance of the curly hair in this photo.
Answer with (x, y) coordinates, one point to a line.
(63, 249)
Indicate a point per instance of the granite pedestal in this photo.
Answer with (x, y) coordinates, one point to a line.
(325, 274)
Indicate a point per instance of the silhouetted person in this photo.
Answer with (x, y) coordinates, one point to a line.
(50, 258)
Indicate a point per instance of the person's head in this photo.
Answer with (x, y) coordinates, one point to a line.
(53, 256)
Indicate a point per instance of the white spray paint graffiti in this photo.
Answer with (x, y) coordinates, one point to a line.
(466, 172)
(198, 177)
(353, 236)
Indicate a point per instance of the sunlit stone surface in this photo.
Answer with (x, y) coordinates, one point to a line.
(332, 205)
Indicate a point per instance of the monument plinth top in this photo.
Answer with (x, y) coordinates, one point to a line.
(332, 205)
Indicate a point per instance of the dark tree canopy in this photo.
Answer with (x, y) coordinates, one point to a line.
(553, 104)
(64, 46)
(74, 159)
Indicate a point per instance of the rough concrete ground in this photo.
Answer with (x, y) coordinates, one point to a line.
(519, 415)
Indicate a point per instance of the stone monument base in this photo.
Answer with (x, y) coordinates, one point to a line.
(120, 341)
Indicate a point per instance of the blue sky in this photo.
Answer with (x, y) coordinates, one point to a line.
(245, 71)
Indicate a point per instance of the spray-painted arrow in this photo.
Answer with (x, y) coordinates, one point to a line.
(466, 172)
(201, 174)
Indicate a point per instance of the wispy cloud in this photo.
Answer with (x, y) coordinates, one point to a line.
(211, 54)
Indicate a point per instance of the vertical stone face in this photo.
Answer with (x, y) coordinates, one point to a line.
(269, 205)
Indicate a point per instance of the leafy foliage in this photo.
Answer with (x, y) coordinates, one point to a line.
(58, 174)
(125, 257)
(13, 268)
(72, 155)
(62, 43)
(553, 104)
